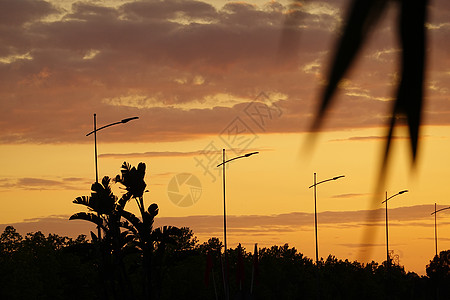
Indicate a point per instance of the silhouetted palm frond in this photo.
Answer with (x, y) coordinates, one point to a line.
(410, 91)
(84, 200)
(91, 217)
(153, 209)
(123, 200)
(363, 15)
(102, 198)
(408, 103)
(94, 237)
(129, 227)
(135, 221)
(132, 179)
(126, 237)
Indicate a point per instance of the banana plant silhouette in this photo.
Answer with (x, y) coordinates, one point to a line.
(146, 239)
(105, 212)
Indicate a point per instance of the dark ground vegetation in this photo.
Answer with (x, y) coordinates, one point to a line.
(54, 267)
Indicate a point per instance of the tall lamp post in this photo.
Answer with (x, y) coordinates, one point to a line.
(315, 207)
(95, 146)
(435, 225)
(225, 212)
(95, 137)
(388, 260)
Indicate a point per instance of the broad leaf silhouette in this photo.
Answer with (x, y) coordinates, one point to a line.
(408, 103)
(132, 179)
(102, 199)
(91, 217)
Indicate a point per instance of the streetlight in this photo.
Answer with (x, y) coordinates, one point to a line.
(95, 147)
(388, 260)
(315, 207)
(435, 225)
(95, 137)
(225, 212)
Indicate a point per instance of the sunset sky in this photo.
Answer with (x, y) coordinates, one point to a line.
(208, 75)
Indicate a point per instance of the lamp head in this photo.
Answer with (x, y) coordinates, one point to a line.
(128, 119)
(337, 177)
(401, 192)
(249, 154)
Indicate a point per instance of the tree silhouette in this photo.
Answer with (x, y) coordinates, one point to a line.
(36, 266)
(439, 267)
(10, 240)
(145, 238)
(439, 272)
(133, 234)
(106, 209)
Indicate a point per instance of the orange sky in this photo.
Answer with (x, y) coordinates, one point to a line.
(203, 76)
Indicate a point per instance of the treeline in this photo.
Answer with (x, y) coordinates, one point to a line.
(44, 267)
(54, 267)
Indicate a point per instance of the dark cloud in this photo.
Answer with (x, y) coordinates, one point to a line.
(297, 220)
(151, 154)
(432, 238)
(362, 138)
(256, 224)
(59, 224)
(16, 13)
(31, 183)
(362, 245)
(172, 153)
(348, 195)
(172, 9)
(374, 138)
(163, 60)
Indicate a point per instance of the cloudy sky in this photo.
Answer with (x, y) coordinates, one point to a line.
(208, 75)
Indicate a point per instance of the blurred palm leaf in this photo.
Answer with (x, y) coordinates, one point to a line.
(408, 103)
(93, 237)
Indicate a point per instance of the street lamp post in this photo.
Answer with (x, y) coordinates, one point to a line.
(388, 260)
(95, 146)
(95, 137)
(315, 208)
(435, 225)
(225, 212)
